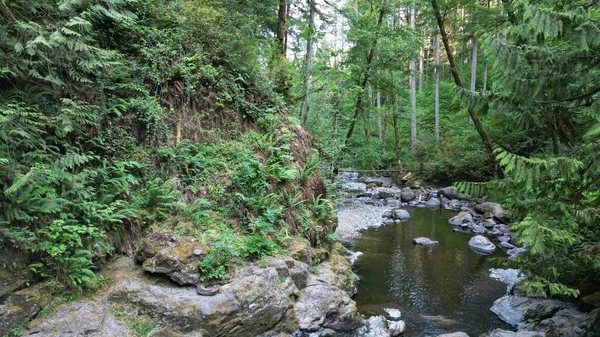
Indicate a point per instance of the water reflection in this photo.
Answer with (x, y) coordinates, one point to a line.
(439, 289)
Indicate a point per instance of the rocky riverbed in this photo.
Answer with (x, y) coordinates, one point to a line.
(368, 203)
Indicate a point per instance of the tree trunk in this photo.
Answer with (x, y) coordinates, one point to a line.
(308, 60)
(437, 88)
(474, 65)
(379, 118)
(281, 23)
(413, 94)
(485, 71)
(358, 108)
(482, 134)
(421, 70)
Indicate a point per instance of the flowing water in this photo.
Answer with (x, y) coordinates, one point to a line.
(439, 289)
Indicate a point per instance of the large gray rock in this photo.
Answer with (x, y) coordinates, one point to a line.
(449, 192)
(87, 318)
(385, 193)
(323, 304)
(520, 333)
(379, 326)
(510, 277)
(407, 195)
(421, 241)
(401, 214)
(433, 203)
(477, 228)
(555, 317)
(481, 245)
(254, 301)
(454, 334)
(175, 257)
(20, 307)
(354, 187)
(492, 209)
(460, 219)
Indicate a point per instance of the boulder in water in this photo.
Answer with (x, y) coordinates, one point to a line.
(400, 214)
(528, 315)
(433, 203)
(492, 209)
(392, 202)
(520, 333)
(449, 192)
(407, 195)
(385, 193)
(454, 334)
(477, 229)
(424, 242)
(481, 245)
(461, 218)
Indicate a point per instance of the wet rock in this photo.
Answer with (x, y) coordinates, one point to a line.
(489, 223)
(546, 315)
(433, 203)
(354, 187)
(393, 314)
(504, 238)
(450, 192)
(385, 193)
(503, 229)
(506, 333)
(389, 222)
(421, 241)
(392, 202)
(347, 243)
(510, 277)
(454, 204)
(492, 209)
(506, 245)
(454, 334)
(481, 245)
(512, 253)
(407, 195)
(78, 319)
(461, 218)
(177, 258)
(401, 214)
(396, 328)
(352, 257)
(477, 229)
(21, 306)
(379, 326)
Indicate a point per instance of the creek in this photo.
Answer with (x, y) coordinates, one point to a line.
(439, 289)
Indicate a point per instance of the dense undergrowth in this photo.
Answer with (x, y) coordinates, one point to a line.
(121, 116)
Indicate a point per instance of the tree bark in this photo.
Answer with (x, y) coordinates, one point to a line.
(358, 108)
(421, 70)
(437, 88)
(281, 26)
(482, 134)
(379, 119)
(413, 94)
(308, 60)
(474, 65)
